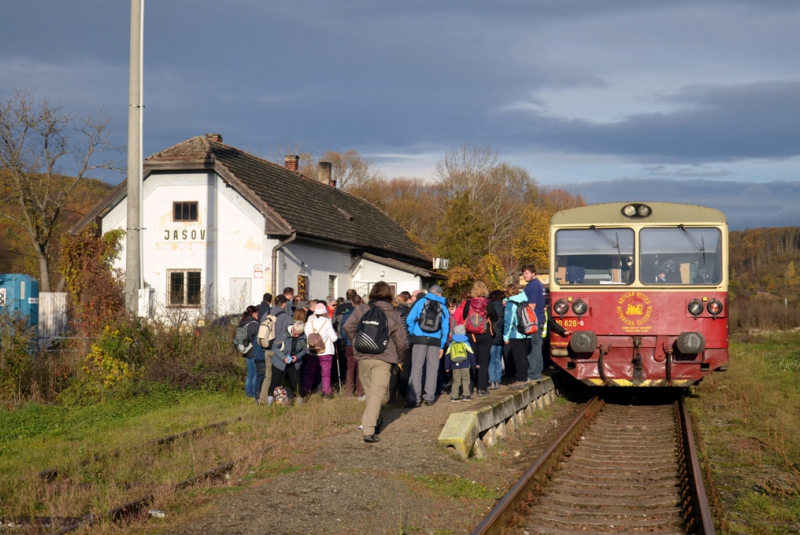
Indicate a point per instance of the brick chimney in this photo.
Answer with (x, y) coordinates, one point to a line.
(215, 137)
(325, 174)
(291, 162)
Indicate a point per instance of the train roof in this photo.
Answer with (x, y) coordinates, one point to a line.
(662, 213)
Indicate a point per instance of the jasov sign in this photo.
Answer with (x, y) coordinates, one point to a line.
(184, 235)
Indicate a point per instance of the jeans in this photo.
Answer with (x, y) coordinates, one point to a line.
(482, 349)
(427, 357)
(519, 351)
(535, 363)
(352, 378)
(256, 370)
(326, 363)
(496, 364)
(310, 368)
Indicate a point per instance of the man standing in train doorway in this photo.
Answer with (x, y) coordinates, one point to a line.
(536, 294)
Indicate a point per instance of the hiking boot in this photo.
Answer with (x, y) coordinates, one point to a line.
(372, 438)
(482, 393)
(429, 403)
(454, 400)
(413, 404)
(466, 398)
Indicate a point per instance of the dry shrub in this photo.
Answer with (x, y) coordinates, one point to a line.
(764, 315)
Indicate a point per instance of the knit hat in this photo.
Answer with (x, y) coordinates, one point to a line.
(459, 329)
(320, 309)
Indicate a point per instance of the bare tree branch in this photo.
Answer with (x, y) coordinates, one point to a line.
(35, 137)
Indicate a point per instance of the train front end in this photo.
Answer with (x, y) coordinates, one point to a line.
(642, 287)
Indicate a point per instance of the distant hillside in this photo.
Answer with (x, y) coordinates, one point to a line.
(766, 262)
(16, 252)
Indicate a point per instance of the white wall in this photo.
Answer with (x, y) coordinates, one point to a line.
(318, 261)
(226, 242)
(368, 271)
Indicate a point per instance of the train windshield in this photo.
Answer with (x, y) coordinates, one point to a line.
(680, 255)
(594, 256)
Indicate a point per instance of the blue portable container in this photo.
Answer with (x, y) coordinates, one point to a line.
(20, 293)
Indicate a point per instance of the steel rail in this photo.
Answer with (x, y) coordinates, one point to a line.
(707, 519)
(503, 509)
(503, 514)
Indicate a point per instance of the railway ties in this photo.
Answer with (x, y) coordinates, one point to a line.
(621, 477)
(613, 469)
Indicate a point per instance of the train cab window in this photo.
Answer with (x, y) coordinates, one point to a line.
(594, 256)
(680, 255)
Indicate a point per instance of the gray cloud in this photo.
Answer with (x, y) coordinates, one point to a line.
(745, 204)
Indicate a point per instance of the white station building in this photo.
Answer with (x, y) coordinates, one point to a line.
(221, 227)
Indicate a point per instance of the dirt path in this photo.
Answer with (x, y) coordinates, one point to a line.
(403, 484)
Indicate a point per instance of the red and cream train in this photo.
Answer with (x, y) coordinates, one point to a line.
(643, 286)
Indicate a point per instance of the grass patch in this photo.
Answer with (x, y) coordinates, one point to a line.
(447, 486)
(750, 422)
(104, 459)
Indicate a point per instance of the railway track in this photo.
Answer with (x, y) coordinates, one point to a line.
(614, 469)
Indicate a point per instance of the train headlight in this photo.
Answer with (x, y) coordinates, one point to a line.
(580, 307)
(695, 308)
(691, 343)
(561, 307)
(636, 211)
(714, 307)
(583, 342)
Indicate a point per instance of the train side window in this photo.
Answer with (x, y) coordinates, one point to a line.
(594, 256)
(681, 256)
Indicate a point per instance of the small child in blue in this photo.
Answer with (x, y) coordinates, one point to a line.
(460, 358)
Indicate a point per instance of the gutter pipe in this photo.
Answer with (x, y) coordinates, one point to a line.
(275, 260)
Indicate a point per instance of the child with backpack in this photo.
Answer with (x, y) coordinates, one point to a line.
(459, 361)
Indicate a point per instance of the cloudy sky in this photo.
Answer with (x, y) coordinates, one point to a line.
(692, 101)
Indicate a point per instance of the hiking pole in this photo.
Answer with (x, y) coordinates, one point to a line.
(339, 373)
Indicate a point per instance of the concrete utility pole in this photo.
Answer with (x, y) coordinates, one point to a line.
(133, 250)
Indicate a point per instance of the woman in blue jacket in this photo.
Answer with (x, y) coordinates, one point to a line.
(513, 338)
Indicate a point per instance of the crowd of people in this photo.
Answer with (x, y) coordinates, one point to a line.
(404, 349)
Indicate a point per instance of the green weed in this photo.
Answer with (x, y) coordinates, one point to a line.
(447, 486)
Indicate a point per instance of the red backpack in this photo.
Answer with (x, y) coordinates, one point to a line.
(476, 322)
(526, 318)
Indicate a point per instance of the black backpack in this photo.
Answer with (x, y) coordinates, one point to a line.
(372, 333)
(430, 319)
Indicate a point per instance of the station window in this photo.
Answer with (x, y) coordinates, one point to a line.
(184, 211)
(594, 256)
(332, 285)
(184, 288)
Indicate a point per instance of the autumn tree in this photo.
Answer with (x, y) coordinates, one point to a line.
(496, 189)
(415, 204)
(39, 144)
(532, 244)
(463, 234)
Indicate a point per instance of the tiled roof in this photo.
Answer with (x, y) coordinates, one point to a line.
(311, 208)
